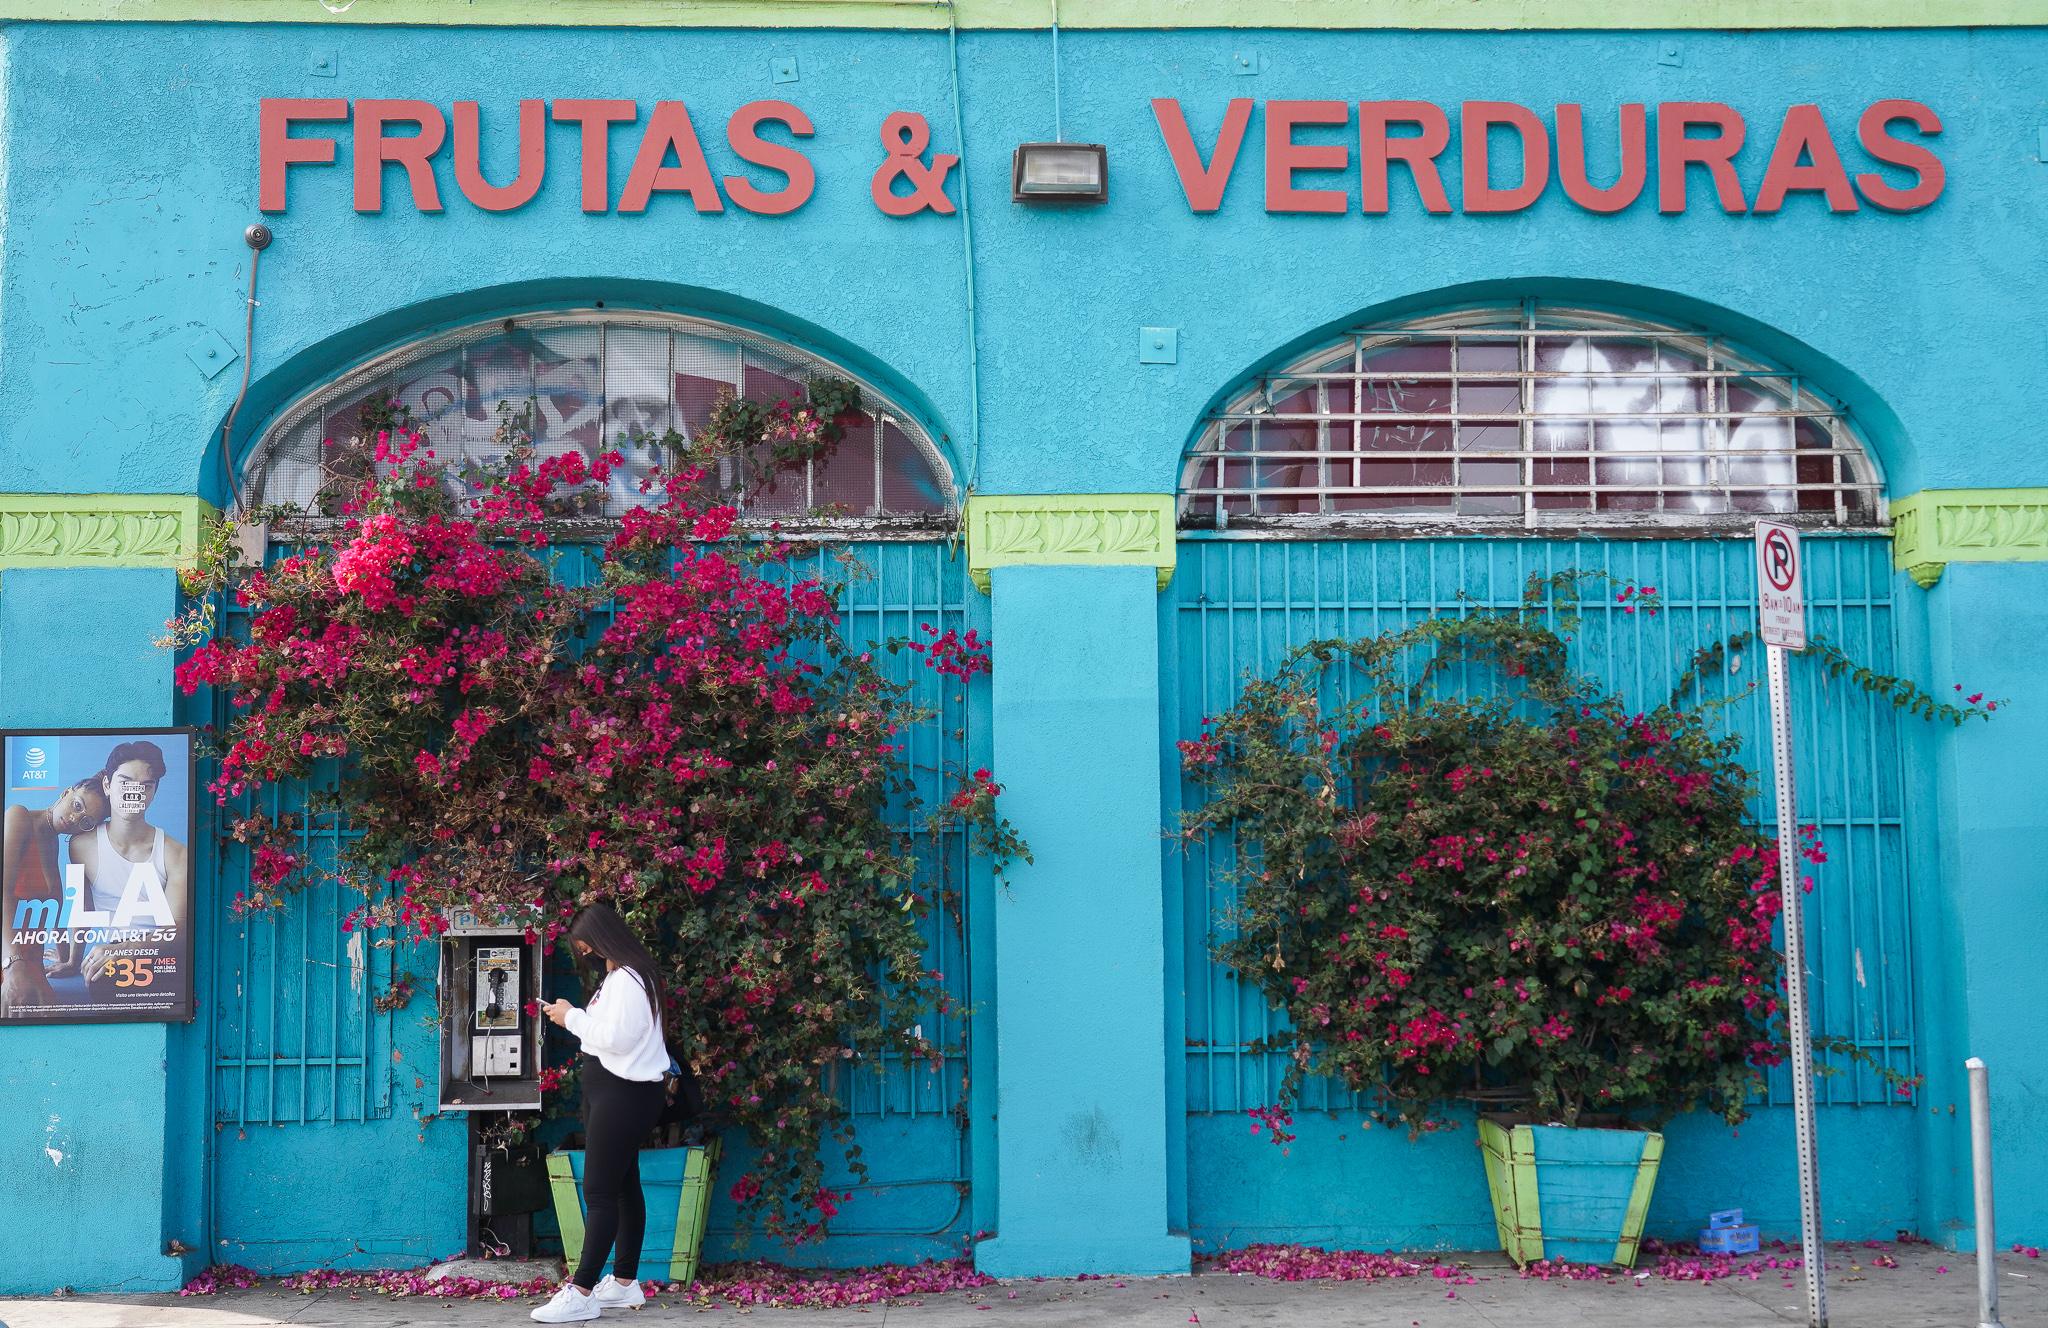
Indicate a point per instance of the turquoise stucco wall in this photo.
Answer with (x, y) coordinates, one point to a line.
(1984, 623)
(98, 1119)
(1080, 944)
(129, 235)
(128, 155)
(108, 1125)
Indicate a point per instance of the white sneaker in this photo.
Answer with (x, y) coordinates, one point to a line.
(613, 1294)
(572, 1304)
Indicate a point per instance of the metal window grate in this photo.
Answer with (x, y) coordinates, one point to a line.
(1243, 604)
(599, 380)
(297, 1037)
(1527, 417)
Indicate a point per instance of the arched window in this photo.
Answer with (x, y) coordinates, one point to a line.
(597, 380)
(1527, 416)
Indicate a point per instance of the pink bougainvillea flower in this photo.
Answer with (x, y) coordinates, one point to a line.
(672, 720)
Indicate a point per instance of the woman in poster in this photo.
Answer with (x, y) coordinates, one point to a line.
(120, 849)
(30, 876)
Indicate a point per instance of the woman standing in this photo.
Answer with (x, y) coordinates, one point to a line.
(32, 895)
(624, 1059)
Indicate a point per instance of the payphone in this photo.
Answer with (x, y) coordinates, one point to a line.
(491, 1062)
(490, 1043)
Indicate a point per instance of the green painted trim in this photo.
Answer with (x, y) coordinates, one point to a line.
(1625, 15)
(1511, 1181)
(1493, 1151)
(568, 1203)
(100, 530)
(693, 1212)
(1638, 1214)
(1070, 530)
(1936, 527)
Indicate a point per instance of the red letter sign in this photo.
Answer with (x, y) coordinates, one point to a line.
(1284, 156)
(597, 115)
(1572, 171)
(669, 129)
(743, 132)
(1419, 151)
(1805, 133)
(533, 158)
(414, 152)
(277, 149)
(1202, 184)
(1675, 152)
(1475, 121)
(1926, 167)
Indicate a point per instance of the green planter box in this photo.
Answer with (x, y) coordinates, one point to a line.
(677, 1182)
(1570, 1193)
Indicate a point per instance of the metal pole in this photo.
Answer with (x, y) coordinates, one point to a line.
(1800, 1032)
(1980, 1166)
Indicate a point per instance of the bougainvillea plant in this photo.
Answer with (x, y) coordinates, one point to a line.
(687, 733)
(771, 439)
(1468, 872)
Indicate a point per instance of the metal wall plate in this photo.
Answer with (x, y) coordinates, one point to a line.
(1158, 345)
(209, 351)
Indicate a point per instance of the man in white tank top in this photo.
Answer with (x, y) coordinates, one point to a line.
(127, 845)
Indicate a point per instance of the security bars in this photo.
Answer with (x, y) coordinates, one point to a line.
(1529, 417)
(598, 380)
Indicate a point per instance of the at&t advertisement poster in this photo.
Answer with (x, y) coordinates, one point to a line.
(96, 876)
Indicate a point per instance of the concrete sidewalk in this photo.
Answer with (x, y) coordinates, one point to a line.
(1915, 1294)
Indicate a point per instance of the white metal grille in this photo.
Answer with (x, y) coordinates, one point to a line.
(1527, 416)
(603, 380)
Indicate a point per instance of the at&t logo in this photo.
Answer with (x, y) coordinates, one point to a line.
(34, 769)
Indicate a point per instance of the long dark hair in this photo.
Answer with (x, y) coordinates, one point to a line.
(600, 927)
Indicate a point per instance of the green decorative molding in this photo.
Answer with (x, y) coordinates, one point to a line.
(99, 530)
(1065, 530)
(1637, 15)
(1936, 527)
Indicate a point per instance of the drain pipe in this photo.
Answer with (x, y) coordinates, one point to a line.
(967, 262)
(258, 238)
(1980, 1166)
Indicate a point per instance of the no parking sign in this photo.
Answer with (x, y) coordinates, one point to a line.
(1781, 621)
(1780, 586)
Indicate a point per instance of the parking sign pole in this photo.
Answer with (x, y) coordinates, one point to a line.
(1781, 619)
(1799, 1026)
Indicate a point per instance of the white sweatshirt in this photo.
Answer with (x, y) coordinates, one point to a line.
(619, 1028)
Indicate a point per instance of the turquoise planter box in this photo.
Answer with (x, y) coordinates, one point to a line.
(677, 1182)
(1567, 1193)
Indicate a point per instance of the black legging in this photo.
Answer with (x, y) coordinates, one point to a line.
(618, 1115)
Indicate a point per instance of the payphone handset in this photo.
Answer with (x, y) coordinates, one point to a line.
(495, 1025)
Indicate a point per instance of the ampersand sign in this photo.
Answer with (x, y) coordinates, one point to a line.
(906, 135)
